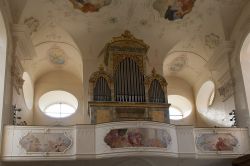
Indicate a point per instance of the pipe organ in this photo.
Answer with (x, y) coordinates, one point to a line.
(102, 91)
(123, 91)
(156, 93)
(129, 82)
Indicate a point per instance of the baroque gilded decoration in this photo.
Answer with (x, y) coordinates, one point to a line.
(101, 73)
(155, 76)
(126, 93)
(125, 45)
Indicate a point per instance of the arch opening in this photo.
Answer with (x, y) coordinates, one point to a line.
(3, 55)
(245, 66)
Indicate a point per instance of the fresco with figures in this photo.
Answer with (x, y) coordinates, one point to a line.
(90, 5)
(138, 137)
(173, 9)
(209, 142)
(40, 142)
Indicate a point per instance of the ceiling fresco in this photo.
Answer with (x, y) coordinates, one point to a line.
(56, 55)
(90, 5)
(169, 27)
(173, 9)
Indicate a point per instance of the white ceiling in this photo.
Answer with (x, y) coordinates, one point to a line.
(79, 34)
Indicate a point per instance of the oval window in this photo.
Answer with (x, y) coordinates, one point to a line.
(205, 96)
(175, 113)
(180, 107)
(58, 104)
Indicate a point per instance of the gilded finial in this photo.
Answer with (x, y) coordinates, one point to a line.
(153, 71)
(127, 34)
(101, 68)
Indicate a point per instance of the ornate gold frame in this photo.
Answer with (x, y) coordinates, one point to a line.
(153, 76)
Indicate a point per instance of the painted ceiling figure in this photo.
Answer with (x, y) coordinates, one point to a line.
(179, 9)
(90, 5)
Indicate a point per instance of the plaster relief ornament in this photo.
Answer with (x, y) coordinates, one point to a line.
(173, 9)
(212, 40)
(178, 63)
(90, 5)
(32, 24)
(56, 55)
(113, 20)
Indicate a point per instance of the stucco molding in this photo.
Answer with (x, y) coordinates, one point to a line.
(24, 47)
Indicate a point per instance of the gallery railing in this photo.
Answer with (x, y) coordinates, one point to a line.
(122, 139)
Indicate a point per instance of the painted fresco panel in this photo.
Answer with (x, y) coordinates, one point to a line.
(212, 142)
(138, 137)
(50, 142)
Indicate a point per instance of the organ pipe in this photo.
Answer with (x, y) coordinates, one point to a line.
(156, 93)
(102, 91)
(130, 82)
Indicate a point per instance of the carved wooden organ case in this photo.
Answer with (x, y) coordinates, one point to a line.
(123, 91)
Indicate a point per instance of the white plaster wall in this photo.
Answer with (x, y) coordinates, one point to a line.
(89, 67)
(3, 49)
(26, 114)
(5, 56)
(239, 34)
(26, 106)
(218, 113)
(58, 80)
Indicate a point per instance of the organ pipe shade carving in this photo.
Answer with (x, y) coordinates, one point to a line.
(156, 93)
(102, 92)
(129, 82)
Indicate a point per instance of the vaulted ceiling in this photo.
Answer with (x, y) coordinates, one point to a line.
(63, 34)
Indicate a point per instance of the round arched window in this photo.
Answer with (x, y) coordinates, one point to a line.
(205, 96)
(28, 90)
(58, 104)
(180, 107)
(175, 113)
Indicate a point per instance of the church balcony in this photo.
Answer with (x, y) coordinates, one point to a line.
(121, 139)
